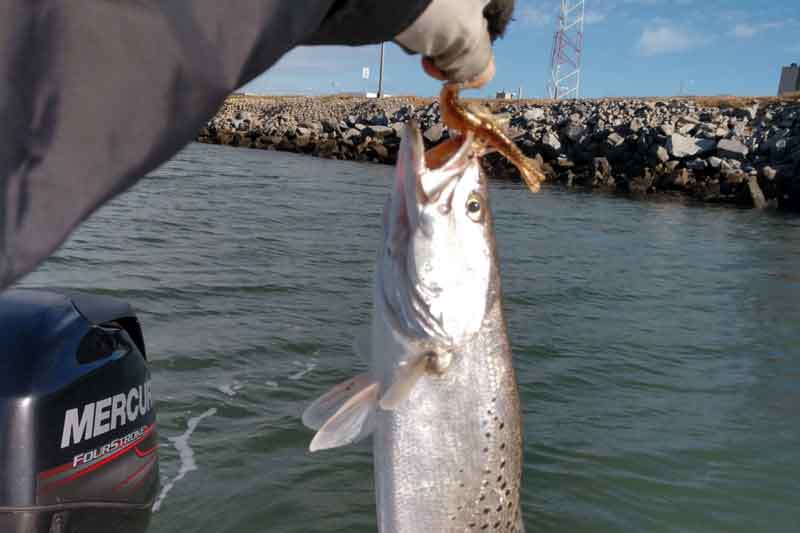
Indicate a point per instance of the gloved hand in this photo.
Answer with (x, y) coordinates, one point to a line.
(455, 38)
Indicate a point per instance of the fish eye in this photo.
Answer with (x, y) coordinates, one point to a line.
(475, 207)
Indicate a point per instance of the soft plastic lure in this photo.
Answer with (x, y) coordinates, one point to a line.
(487, 130)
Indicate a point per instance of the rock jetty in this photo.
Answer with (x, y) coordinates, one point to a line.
(721, 150)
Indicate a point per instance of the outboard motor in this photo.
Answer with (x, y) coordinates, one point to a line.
(78, 445)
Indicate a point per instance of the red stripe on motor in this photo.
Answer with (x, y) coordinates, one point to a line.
(97, 465)
(138, 471)
(55, 471)
(142, 479)
(145, 453)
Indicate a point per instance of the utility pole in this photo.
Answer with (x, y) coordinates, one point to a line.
(380, 76)
(565, 63)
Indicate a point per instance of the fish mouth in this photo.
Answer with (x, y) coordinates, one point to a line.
(423, 179)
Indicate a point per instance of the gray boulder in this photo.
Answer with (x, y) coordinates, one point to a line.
(732, 148)
(615, 140)
(379, 131)
(550, 140)
(680, 179)
(537, 113)
(661, 154)
(379, 120)
(573, 132)
(398, 128)
(352, 135)
(666, 129)
(748, 113)
(434, 133)
(696, 164)
(681, 146)
(756, 194)
(329, 125)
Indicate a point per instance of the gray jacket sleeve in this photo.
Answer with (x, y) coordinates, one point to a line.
(97, 93)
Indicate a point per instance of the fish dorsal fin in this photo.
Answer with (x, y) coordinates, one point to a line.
(354, 421)
(326, 405)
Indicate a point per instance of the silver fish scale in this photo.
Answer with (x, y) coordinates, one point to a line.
(468, 421)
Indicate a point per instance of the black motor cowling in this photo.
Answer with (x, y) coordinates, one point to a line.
(78, 445)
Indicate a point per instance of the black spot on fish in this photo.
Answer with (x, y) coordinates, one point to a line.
(496, 524)
(503, 446)
(502, 425)
(486, 510)
(503, 464)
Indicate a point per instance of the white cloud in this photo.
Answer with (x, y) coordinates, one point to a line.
(665, 39)
(746, 31)
(594, 17)
(543, 15)
(536, 16)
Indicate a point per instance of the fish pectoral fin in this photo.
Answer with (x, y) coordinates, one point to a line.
(353, 421)
(406, 377)
(324, 407)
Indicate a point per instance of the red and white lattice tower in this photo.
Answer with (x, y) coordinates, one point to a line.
(565, 64)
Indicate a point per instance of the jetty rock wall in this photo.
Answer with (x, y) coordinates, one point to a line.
(722, 150)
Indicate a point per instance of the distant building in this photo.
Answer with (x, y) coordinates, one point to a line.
(790, 79)
(504, 95)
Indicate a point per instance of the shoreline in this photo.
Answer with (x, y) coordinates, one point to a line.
(727, 150)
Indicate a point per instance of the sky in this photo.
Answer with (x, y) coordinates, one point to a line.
(631, 48)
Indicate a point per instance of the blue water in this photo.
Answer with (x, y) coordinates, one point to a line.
(657, 345)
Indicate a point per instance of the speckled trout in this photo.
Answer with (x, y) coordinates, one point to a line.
(440, 398)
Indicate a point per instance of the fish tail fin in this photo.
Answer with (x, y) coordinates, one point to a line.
(344, 415)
